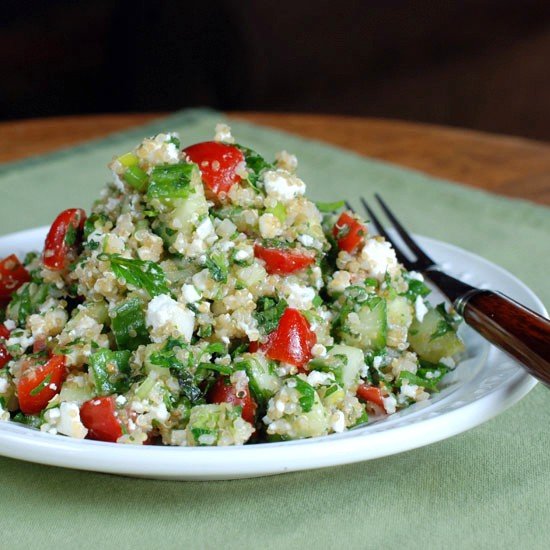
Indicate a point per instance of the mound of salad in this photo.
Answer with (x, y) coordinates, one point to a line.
(205, 300)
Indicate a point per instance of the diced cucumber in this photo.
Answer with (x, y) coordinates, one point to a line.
(73, 392)
(333, 394)
(170, 183)
(128, 324)
(426, 342)
(400, 311)
(367, 329)
(347, 375)
(110, 370)
(263, 381)
(189, 210)
(312, 423)
(97, 311)
(251, 275)
(147, 385)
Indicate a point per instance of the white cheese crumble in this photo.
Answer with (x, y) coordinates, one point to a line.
(69, 423)
(420, 308)
(166, 316)
(3, 385)
(283, 186)
(190, 294)
(448, 362)
(390, 404)
(299, 296)
(379, 257)
(317, 378)
(306, 240)
(338, 424)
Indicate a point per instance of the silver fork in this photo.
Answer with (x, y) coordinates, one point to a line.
(510, 326)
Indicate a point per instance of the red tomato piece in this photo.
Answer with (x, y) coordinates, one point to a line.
(4, 355)
(39, 383)
(99, 415)
(63, 238)
(218, 164)
(348, 232)
(12, 275)
(282, 261)
(225, 392)
(370, 394)
(292, 340)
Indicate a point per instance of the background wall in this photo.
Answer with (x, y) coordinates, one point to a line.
(482, 64)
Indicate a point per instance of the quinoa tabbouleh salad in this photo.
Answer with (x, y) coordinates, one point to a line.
(206, 301)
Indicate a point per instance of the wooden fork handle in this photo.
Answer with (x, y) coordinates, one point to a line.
(520, 332)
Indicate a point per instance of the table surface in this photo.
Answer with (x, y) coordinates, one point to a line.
(509, 166)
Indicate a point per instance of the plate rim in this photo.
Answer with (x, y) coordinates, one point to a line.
(203, 463)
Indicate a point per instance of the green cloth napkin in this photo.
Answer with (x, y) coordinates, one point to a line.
(487, 488)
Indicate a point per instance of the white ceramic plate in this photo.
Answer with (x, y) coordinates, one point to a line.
(486, 383)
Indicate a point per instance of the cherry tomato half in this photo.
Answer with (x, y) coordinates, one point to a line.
(218, 164)
(225, 392)
(4, 355)
(12, 275)
(370, 394)
(282, 261)
(63, 239)
(349, 232)
(99, 415)
(292, 340)
(39, 383)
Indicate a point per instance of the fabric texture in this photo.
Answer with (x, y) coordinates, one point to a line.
(487, 488)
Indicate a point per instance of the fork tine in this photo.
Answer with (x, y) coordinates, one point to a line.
(380, 228)
(349, 207)
(403, 233)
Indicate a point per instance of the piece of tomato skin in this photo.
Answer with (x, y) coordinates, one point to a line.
(291, 342)
(99, 416)
(57, 251)
(12, 275)
(282, 262)
(218, 163)
(5, 357)
(224, 392)
(371, 394)
(32, 398)
(354, 232)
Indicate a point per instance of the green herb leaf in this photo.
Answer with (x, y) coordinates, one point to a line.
(268, 313)
(171, 181)
(70, 235)
(111, 370)
(328, 207)
(217, 265)
(307, 393)
(41, 386)
(140, 273)
(256, 164)
(136, 178)
(416, 288)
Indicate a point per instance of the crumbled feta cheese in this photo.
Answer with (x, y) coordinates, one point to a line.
(306, 240)
(379, 257)
(338, 423)
(377, 361)
(69, 421)
(205, 230)
(420, 308)
(283, 186)
(317, 378)
(9, 324)
(166, 316)
(318, 350)
(200, 279)
(120, 400)
(119, 184)
(416, 276)
(390, 404)
(409, 390)
(3, 385)
(190, 294)
(448, 362)
(223, 133)
(298, 296)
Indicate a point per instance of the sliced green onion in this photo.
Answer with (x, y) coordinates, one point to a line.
(127, 160)
(136, 177)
